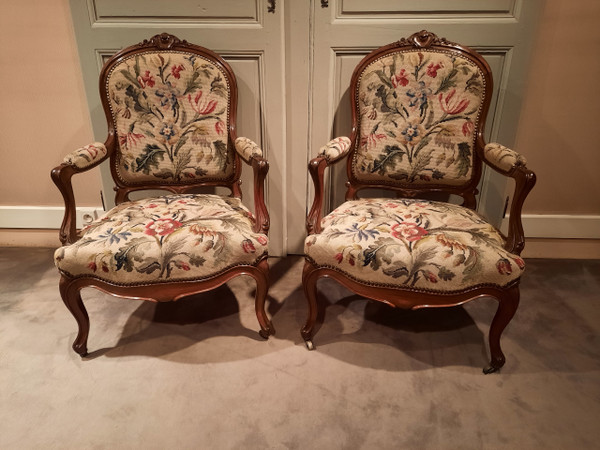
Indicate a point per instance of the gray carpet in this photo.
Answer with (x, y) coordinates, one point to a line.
(195, 373)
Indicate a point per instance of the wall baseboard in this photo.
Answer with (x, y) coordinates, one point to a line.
(559, 226)
(43, 217)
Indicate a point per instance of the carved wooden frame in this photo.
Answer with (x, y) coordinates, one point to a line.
(507, 297)
(70, 287)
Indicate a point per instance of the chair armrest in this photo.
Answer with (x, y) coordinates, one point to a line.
(334, 151)
(81, 160)
(88, 156)
(501, 158)
(512, 164)
(251, 153)
(247, 148)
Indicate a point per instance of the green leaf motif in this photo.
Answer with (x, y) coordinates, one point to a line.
(151, 156)
(464, 159)
(385, 161)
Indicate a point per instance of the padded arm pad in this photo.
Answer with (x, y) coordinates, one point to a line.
(247, 149)
(86, 156)
(335, 149)
(502, 158)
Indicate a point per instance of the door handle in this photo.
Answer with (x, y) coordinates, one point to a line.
(271, 6)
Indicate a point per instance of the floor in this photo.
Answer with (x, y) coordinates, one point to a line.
(195, 373)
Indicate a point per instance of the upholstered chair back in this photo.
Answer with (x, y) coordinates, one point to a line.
(418, 110)
(170, 109)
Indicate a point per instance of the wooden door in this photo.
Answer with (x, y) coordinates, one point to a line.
(248, 34)
(342, 32)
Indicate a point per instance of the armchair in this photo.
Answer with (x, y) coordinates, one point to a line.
(418, 114)
(171, 113)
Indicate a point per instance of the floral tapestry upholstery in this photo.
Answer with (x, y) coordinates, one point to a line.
(247, 148)
(86, 156)
(415, 244)
(171, 113)
(502, 157)
(161, 239)
(335, 148)
(418, 112)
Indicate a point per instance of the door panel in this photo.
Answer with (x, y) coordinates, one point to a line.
(248, 37)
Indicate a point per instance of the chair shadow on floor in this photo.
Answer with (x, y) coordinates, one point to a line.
(167, 328)
(371, 334)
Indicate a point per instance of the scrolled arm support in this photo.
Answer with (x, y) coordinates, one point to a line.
(316, 167)
(81, 160)
(511, 164)
(332, 152)
(260, 168)
(252, 154)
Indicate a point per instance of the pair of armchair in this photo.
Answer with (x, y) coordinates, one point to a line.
(418, 113)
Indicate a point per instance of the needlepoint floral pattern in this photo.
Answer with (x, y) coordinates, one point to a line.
(417, 114)
(175, 237)
(171, 116)
(413, 244)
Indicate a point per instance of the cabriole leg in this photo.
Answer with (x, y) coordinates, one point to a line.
(71, 297)
(507, 307)
(309, 282)
(262, 286)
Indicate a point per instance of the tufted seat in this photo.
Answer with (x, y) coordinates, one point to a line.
(425, 245)
(170, 238)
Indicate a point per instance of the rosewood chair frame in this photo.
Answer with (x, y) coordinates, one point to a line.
(70, 287)
(507, 297)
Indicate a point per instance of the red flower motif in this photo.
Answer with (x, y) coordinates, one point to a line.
(519, 262)
(399, 79)
(248, 246)
(176, 69)
(339, 257)
(220, 127)
(162, 227)
(146, 80)
(130, 139)
(202, 107)
(93, 266)
(351, 260)
(424, 177)
(433, 68)
(430, 276)
(104, 268)
(452, 105)
(409, 231)
(371, 139)
(262, 240)
(182, 265)
(504, 267)
(468, 128)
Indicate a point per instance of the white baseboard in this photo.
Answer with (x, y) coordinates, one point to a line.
(559, 226)
(43, 217)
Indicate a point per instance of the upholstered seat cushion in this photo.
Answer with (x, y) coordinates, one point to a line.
(161, 239)
(414, 244)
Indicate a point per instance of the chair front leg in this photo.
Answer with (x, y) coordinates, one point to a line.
(310, 276)
(508, 303)
(70, 291)
(261, 275)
